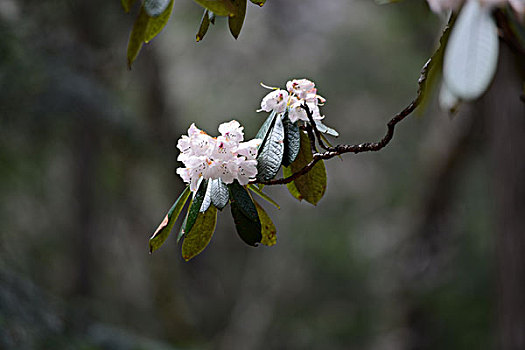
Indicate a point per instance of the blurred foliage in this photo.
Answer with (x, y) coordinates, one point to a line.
(88, 159)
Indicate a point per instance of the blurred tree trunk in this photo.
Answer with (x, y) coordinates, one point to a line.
(506, 117)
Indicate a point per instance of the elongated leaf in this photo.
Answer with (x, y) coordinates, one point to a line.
(219, 7)
(268, 230)
(136, 37)
(164, 229)
(156, 24)
(265, 128)
(206, 202)
(196, 204)
(245, 215)
(271, 154)
(291, 185)
(127, 4)
(258, 2)
(181, 231)
(263, 195)
(325, 129)
(205, 24)
(292, 141)
(240, 196)
(200, 235)
(144, 29)
(472, 52)
(236, 20)
(219, 194)
(312, 185)
(155, 8)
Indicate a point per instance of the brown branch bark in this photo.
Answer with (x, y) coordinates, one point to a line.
(338, 150)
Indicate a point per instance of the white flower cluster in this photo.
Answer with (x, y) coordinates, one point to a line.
(298, 92)
(224, 157)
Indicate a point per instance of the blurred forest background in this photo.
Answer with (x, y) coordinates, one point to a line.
(415, 247)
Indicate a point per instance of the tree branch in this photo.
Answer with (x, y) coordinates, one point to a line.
(331, 152)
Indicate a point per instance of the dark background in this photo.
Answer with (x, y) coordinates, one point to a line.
(419, 246)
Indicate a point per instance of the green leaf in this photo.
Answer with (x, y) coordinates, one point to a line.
(265, 128)
(155, 8)
(200, 235)
(236, 20)
(219, 194)
(312, 185)
(291, 185)
(292, 140)
(205, 24)
(127, 4)
(271, 154)
(195, 207)
(156, 24)
(268, 230)
(219, 7)
(263, 195)
(245, 214)
(181, 231)
(164, 229)
(258, 2)
(144, 29)
(136, 37)
(471, 55)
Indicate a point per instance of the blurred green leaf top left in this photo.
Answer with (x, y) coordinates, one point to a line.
(154, 15)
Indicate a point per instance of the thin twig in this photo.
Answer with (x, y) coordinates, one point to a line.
(368, 146)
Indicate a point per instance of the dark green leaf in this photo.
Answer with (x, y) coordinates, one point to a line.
(268, 230)
(219, 7)
(263, 195)
(156, 24)
(236, 20)
(245, 214)
(292, 141)
(271, 154)
(311, 185)
(205, 24)
(258, 2)
(181, 231)
(219, 194)
(164, 229)
(248, 230)
(195, 206)
(265, 128)
(127, 4)
(136, 37)
(240, 196)
(155, 8)
(200, 235)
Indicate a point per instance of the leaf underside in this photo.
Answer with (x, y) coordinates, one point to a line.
(219, 194)
(219, 7)
(292, 141)
(271, 154)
